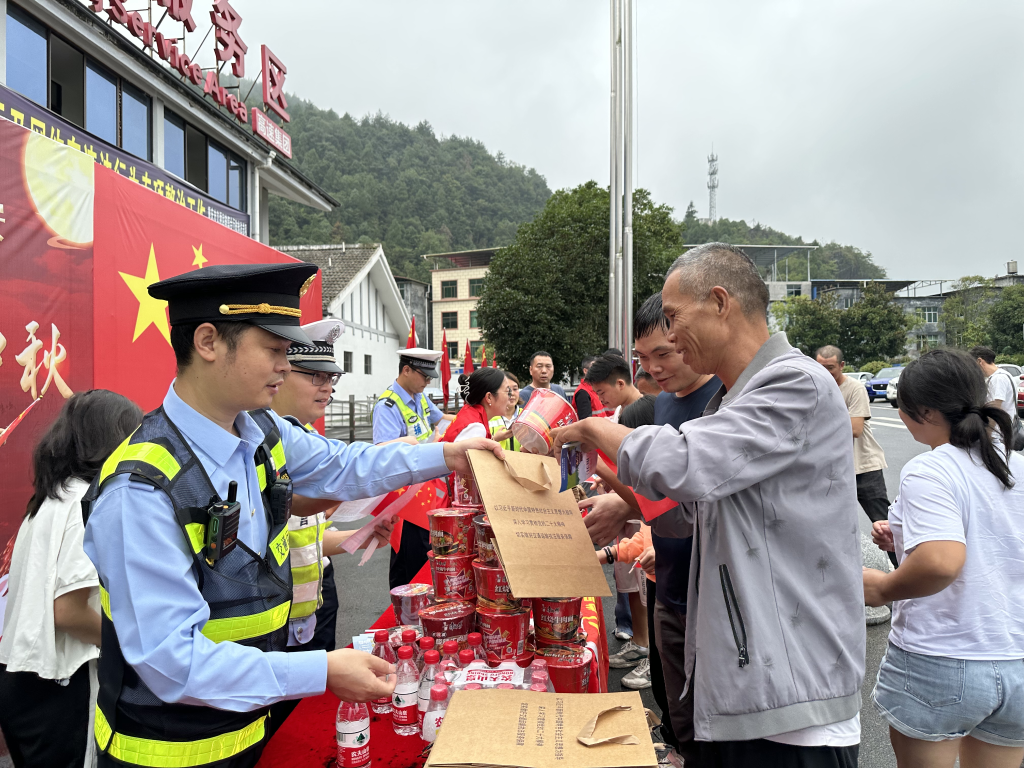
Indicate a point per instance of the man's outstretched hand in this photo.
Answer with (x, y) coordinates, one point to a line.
(455, 453)
(358, 676)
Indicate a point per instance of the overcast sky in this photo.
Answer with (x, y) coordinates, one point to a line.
(894, 126)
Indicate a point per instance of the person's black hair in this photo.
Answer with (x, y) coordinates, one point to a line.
(614, 351)
(183, 339)
(642, 374)
(587, 362)
(639, 413)
(607, 367)
(985, 353)
(541, 353)
(475, 387)
(949, 381)
(86, 431)
(650, 318)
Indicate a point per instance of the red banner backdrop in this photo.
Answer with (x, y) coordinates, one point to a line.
(79, 245)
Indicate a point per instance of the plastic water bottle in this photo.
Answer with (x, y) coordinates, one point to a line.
(441, 679)
(435, 712)
(409, 637)
(539, 687)
(537, 664)
(422, 646)
(382, 650)
(353, 731)
(431, 660)
(449, 656)
(404, 711)
(540, 677)
(466, 657)
(476, 645)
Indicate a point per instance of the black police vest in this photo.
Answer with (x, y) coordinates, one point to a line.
(249, 599)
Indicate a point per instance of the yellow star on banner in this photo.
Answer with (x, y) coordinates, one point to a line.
(151, 311)
(200, 260)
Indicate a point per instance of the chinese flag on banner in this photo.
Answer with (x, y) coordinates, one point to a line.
(446, 368)
(467, 363)
(483, 359)
(140, 237)
(411, 341)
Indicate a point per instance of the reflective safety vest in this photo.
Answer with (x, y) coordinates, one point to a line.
(500, 424)
(415, 425)
(599, 410)
(306, 544)
(249, 599)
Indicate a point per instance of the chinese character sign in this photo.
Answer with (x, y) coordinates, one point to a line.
(274, 72)
(230, 46)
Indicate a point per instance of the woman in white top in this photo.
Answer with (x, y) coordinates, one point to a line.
(51, 628)
(952, 681)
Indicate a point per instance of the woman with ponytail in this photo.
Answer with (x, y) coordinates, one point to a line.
(951, 683)
(486, 395)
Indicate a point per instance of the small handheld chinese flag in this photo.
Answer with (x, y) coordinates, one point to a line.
(411, 341)
(483, 361)
(467, 363)
(446, 367)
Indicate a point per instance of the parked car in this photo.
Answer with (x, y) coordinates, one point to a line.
(1014, 371)
(890, 390)
(859, 375)
(876, 386)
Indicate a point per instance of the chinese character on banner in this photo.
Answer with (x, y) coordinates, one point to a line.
(274, 72)
(179, 10)
(28, 360)
(226, 20)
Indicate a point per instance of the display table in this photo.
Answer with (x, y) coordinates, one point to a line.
(307, 736)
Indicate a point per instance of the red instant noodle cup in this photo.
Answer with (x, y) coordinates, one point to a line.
(544, 411)
(409, 600)
(485, 541)
(449, 621)
(504, 633)
(464, 491)
(452, 576)
(557, 619)
(570, 674)
(492, 588)
(452, 531)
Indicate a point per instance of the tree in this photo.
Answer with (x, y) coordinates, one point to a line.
(965, 312)
(809, 323)
(549, 288)
(1006, 321)
(875, 327)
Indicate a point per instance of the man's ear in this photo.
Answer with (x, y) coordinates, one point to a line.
(204, 339)
(722, 301)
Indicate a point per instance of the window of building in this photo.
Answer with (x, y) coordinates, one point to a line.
(474, 349)
(217, 167)
(926, 341)
(195, 158)
(67, 82)
(367, 365)
(174, 144)
(346, 362)
(453, 350)
(848, 302)
(473, 322)
(449, 289)
(449, 320)
(101, 103)
(793, 289)
(476, 286)
(26, 55)
(928, 314)
(236, 182)
(135, 122)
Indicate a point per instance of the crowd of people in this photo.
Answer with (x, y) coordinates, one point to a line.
(731, 469)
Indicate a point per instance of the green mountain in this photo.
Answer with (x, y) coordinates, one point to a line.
(404, 187)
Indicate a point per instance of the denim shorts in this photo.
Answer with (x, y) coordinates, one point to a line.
(934, 698)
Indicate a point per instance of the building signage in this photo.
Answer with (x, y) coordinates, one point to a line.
(274, 72)
(271, 132)
(30, 115)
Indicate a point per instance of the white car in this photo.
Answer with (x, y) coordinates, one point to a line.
(890, 391)
(859, 375)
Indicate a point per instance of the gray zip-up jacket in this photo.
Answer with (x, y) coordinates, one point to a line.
(775, 614)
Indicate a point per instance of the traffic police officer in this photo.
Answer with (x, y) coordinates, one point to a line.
(195, 586)
(403, 410)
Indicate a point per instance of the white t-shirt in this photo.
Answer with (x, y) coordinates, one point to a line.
(1001, 387)
(948, 495)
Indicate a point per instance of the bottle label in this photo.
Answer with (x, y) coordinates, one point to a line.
(431, 722)
(354, 743)
(404, 703)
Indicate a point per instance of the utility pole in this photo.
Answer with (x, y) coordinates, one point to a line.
(620, 246)
(713, 186)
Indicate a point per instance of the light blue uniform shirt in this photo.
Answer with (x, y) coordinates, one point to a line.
(388, 423)
(143, 559)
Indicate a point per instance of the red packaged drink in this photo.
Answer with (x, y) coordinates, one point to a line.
(382, 650)
(492, 588)
(452, 532)
(453, 577)
(353, 733)
(557, 619)
(448, 621)
(485, 550)
(504, 633)
(434, 715)
(431, 669)
(466, 657)
(476, 644)
(404, 710)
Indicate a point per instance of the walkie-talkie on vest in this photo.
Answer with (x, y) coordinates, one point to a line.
(222, 526)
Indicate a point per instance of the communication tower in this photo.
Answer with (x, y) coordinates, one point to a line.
(712, 186)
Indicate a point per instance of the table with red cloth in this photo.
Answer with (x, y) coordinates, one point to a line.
(307, 737)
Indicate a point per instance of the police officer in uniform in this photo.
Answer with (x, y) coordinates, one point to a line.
(188, 530)
(403, 410)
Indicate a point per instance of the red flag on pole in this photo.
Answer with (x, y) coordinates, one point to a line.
(411, 341)
(446, 368)
(483, 361)
(467, 363)
(494, 362)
